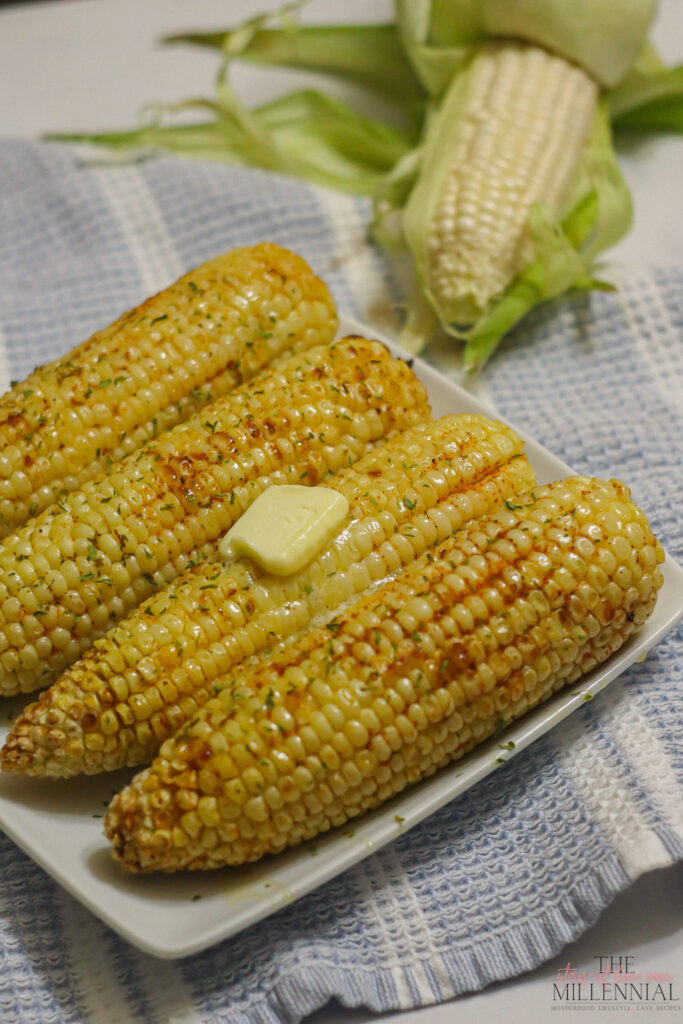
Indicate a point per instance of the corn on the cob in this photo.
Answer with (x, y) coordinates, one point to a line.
(72, 572)
(143, 680)
(516, 139)
(473, 634)
(180, 350)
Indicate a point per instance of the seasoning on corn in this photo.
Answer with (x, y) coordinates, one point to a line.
(468, 638)
(70, 574)
(217, 326)
(512, 136)
(150, 674)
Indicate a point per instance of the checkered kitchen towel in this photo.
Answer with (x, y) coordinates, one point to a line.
(510, 872)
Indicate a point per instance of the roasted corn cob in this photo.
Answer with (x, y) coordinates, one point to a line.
(180, 350)
(141, 682)
(71, 573)
(468, 638)
(513, 138)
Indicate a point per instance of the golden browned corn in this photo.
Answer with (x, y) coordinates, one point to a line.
(71, 573)
(468, 638)
(142, 681)
(159, 363)
(516, 140)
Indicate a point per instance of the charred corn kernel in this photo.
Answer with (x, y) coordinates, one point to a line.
(206, 472)
(516, 141)
(457, 467)
(434, 706)
(161, 362)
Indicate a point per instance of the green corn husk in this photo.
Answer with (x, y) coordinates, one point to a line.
(601, 36)
(305, 134)
(368, 55)
(650, 97)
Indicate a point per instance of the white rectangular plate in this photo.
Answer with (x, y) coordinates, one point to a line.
(58, 823)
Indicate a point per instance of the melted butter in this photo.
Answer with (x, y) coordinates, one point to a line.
(285, 527)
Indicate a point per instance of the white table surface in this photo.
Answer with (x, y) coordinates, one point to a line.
(89, 65)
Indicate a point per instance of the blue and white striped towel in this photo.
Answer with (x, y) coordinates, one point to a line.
(510, 872)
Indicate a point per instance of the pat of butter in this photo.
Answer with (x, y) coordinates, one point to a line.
(286, 526)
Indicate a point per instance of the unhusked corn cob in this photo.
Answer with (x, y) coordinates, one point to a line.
(143, 681)
(71, 573)
(468, 638)
(164, 360)
(516, 140)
